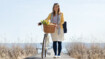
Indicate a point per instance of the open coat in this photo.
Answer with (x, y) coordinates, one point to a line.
(55, 36)
(61, 22)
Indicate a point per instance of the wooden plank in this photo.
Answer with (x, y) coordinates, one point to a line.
(39, 57)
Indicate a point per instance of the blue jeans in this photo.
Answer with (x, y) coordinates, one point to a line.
(55, 47)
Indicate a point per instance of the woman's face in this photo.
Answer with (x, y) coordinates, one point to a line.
(56, 8)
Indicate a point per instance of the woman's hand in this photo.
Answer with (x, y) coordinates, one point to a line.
(39, 23)
(57, 26)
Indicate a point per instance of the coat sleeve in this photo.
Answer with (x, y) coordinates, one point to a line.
(62, 19)
(48, 17)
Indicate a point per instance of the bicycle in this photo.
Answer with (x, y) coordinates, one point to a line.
(44, 50)
(43, 44)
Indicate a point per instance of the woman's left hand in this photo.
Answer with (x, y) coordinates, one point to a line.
(58, 26)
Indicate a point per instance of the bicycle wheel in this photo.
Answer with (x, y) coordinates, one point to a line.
(44, 46)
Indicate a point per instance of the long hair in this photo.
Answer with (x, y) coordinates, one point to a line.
(58, 12)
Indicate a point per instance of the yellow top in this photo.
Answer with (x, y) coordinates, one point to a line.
(62, 19)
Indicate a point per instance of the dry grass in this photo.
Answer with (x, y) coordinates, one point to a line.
(81, 51)
(16, 52)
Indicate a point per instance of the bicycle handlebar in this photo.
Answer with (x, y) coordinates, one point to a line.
(41, 24)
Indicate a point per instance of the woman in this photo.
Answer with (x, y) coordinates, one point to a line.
(58, 35)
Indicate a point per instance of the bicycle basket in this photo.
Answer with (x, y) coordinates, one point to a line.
(49, 28)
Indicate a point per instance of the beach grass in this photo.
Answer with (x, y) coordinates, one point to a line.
(17, 52)
(81, 51)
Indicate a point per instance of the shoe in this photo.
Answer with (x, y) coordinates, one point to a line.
(55, 56)
(58, 56)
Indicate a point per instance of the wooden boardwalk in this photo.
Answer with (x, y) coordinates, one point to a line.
(38, 56)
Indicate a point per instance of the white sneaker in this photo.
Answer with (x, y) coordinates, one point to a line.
(55, 56)
(58, 56)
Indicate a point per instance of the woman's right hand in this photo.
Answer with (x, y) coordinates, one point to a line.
(39, 23)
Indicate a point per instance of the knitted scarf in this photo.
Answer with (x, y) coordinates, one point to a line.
(58, 21)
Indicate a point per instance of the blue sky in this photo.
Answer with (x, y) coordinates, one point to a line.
(19, 18)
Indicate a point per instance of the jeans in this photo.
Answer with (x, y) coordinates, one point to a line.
(55, 47)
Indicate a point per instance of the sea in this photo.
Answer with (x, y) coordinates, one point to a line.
(50, 45)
